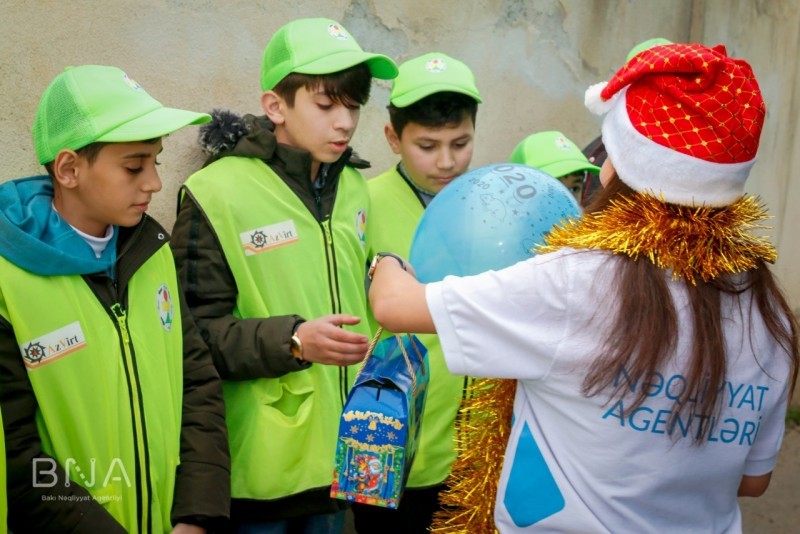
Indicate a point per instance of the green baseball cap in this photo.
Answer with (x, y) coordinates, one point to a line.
(317, 46)
(644, 45)
(95, 103)
(553, 153)
(429, 74)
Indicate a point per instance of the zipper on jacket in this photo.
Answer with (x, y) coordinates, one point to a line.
(330, 260)
(318, 204)
(317, 186)
(137, 412)
(333, 286)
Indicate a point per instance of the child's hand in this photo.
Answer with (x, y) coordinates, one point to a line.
(324, 342)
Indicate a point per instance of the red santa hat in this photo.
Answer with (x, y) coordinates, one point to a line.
(683, 123)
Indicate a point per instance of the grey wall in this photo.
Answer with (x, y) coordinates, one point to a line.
(532, 59)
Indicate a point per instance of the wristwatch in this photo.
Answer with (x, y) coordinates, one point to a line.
(378, 257)
(296, 347)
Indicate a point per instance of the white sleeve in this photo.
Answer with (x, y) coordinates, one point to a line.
(763, 454)
(504, 324)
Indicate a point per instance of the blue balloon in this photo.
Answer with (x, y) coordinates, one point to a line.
(488, 218)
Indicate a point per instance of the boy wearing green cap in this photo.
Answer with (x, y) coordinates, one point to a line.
(432, 111)
(112, 408)
(553, 153)
(270, 240)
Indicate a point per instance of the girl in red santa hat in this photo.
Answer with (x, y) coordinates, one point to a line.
(653, 352)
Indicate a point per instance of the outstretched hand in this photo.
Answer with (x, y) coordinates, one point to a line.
(324, 342)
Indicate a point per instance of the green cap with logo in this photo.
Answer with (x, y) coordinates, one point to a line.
(317, 46)
(644, 45)
(553, 153)
(429, 74)
(95, 103)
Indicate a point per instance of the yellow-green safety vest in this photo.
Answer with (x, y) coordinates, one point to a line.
(108, 383)
(395, 214)
(283, 431)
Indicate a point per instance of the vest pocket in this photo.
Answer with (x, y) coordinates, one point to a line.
(291, 397)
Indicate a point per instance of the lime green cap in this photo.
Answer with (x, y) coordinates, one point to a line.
(429, 74)
(94, 103)
(553, 153)
(317, 46)
(644, 45)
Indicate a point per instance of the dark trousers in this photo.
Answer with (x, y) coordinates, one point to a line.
(414, 515)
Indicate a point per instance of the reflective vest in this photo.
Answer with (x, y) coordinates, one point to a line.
(283, 431)
(395, 213)
(108, 383)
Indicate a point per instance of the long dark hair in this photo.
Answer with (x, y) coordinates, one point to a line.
(646, 310)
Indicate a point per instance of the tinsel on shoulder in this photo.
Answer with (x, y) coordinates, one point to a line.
(699, 242)
(482, 429)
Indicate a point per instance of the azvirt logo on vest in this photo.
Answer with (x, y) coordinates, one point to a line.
(53, 346)
(268, 237)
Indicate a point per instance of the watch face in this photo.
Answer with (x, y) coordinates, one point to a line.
(371, 270)
(296, 348)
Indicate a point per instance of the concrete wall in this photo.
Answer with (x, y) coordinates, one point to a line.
(532, 59)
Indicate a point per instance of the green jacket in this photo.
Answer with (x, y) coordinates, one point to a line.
(258, 250)
(96, 391)
(108, 382)
(394, 215)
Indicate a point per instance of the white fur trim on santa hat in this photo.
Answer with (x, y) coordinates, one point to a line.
(648, 167)
(594, 102)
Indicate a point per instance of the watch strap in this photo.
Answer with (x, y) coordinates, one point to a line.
(377, 259)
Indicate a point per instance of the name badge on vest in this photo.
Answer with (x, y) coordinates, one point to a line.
(53, 346)
(268, 237)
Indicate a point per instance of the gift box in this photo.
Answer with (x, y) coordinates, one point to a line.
(379, 426)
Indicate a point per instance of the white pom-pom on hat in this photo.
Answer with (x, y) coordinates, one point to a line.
(594, 101)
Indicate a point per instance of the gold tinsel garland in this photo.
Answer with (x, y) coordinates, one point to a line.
(691, 242)
(482, 427)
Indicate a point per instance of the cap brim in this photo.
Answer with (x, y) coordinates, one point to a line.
(380, 66)
(157, 123)
(418, 94)
(565, 167)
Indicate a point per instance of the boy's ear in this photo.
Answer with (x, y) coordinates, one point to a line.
(272, 104)
(66, 168)
(392, 138)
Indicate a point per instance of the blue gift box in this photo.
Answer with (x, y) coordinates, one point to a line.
(379, 426)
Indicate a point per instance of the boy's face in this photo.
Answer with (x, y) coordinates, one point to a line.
(574, 183)
(434, 156)
(317, 124)
(115, 189)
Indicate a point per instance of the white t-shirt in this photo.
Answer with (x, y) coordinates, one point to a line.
(576, 463)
